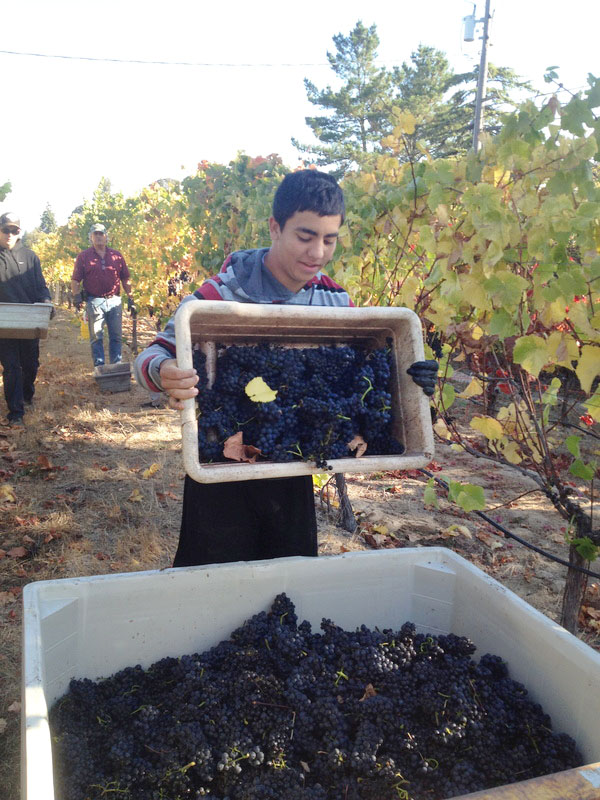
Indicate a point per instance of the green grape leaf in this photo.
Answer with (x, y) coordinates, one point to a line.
(584, 471)
(586, 548)
(531, 352)
(572, 445)
(468, 496)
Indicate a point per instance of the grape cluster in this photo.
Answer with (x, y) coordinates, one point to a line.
(325, 397)
(277, 711)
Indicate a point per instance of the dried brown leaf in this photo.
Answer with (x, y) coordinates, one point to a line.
(358, 444)
(369, 692)
(235, 449)
(6, 598)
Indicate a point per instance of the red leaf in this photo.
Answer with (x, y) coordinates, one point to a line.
(17, 552)
(371, 541)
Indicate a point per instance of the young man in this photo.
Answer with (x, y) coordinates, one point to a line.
(249, 520)
(102, 270)
(21, 281)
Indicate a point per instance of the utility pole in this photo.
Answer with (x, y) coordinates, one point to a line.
(482, 78)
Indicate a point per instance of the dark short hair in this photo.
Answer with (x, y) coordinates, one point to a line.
(308, 190)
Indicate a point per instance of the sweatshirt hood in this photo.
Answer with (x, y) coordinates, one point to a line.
(247, 278)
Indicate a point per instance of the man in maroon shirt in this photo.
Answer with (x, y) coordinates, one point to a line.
(102, 270)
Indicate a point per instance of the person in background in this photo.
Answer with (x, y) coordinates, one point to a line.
(101, 271)
(273, 517)
(21, 281)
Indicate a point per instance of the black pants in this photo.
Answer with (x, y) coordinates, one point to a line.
(20, 359)
(246, 521)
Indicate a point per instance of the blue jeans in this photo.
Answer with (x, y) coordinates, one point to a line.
(101, 310)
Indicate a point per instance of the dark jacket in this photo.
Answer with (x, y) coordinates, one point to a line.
(21, 279)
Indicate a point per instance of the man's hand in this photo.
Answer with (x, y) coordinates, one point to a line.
(424, 374)
(131, 307)
(78, 301)
(179, 384)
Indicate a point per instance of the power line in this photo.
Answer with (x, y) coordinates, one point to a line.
(161, 63)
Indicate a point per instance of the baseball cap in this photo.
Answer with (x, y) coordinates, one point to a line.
(10, 219)
(98, 228)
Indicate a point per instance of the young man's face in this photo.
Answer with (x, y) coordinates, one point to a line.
(302, 248)
(9, 236)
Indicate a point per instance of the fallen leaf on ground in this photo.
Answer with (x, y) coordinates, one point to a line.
(15, 707)
(136, 496)
(371, 540)
(7, 493)
(6, 598)
(17, 552)
(44, 462)
(382, 529)
(456, 530)
(492, 541)
(152, 470)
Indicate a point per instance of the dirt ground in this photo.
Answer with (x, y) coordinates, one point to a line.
(93, 484)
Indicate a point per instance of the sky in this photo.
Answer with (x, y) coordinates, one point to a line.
(68, 123)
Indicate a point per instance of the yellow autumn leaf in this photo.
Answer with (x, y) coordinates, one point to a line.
(511, 452)
(260, 392)
(473, 389)
(136, 496)
(489, 426)
(152, 470)
(456, 530)
(382, 529)
(7, 493)
(441, 429)
(588, 367)
(592, 405)
(405, 123)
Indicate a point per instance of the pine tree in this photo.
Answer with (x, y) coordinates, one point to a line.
(48, 220)
(358, 121)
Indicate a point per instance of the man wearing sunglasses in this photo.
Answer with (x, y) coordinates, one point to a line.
(21, 281)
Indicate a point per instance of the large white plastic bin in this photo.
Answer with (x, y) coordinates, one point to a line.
(24, 320)
(206, 323)
(92, 627)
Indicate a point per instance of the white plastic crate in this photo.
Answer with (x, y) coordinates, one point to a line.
(24, 320)
(92, 627)
(208, 323)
